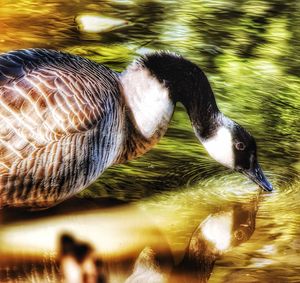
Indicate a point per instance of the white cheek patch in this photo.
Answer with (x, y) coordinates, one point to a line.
(148, 100)
(217, 229)
(220, 147)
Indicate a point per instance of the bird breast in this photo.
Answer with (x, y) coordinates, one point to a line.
(148, 100)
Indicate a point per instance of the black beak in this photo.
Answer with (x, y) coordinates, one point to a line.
(256, 175)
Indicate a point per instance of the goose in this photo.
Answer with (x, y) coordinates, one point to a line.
(65, 119)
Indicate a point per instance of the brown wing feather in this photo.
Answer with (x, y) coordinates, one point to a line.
(46, 95)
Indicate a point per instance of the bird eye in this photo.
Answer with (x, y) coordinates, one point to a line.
(240, 146)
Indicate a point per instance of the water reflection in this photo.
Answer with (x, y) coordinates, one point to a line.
(149, 258)
(97, 23)
(215, 235)
(77, 262)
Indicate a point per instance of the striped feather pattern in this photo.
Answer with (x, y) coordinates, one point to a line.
(58, 131)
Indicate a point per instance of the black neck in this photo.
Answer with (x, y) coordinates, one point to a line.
(188, 85)
(198, 261)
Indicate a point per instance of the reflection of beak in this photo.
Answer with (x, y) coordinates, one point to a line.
(256, 175)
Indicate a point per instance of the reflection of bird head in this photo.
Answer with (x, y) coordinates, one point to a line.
(244, 217)
(214, 236)
(70, 247)
(223, 230)
(76, 260)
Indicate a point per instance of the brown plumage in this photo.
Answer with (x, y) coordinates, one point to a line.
(51, 107)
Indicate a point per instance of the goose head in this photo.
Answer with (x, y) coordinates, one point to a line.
(232, 146)
(225, 140)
